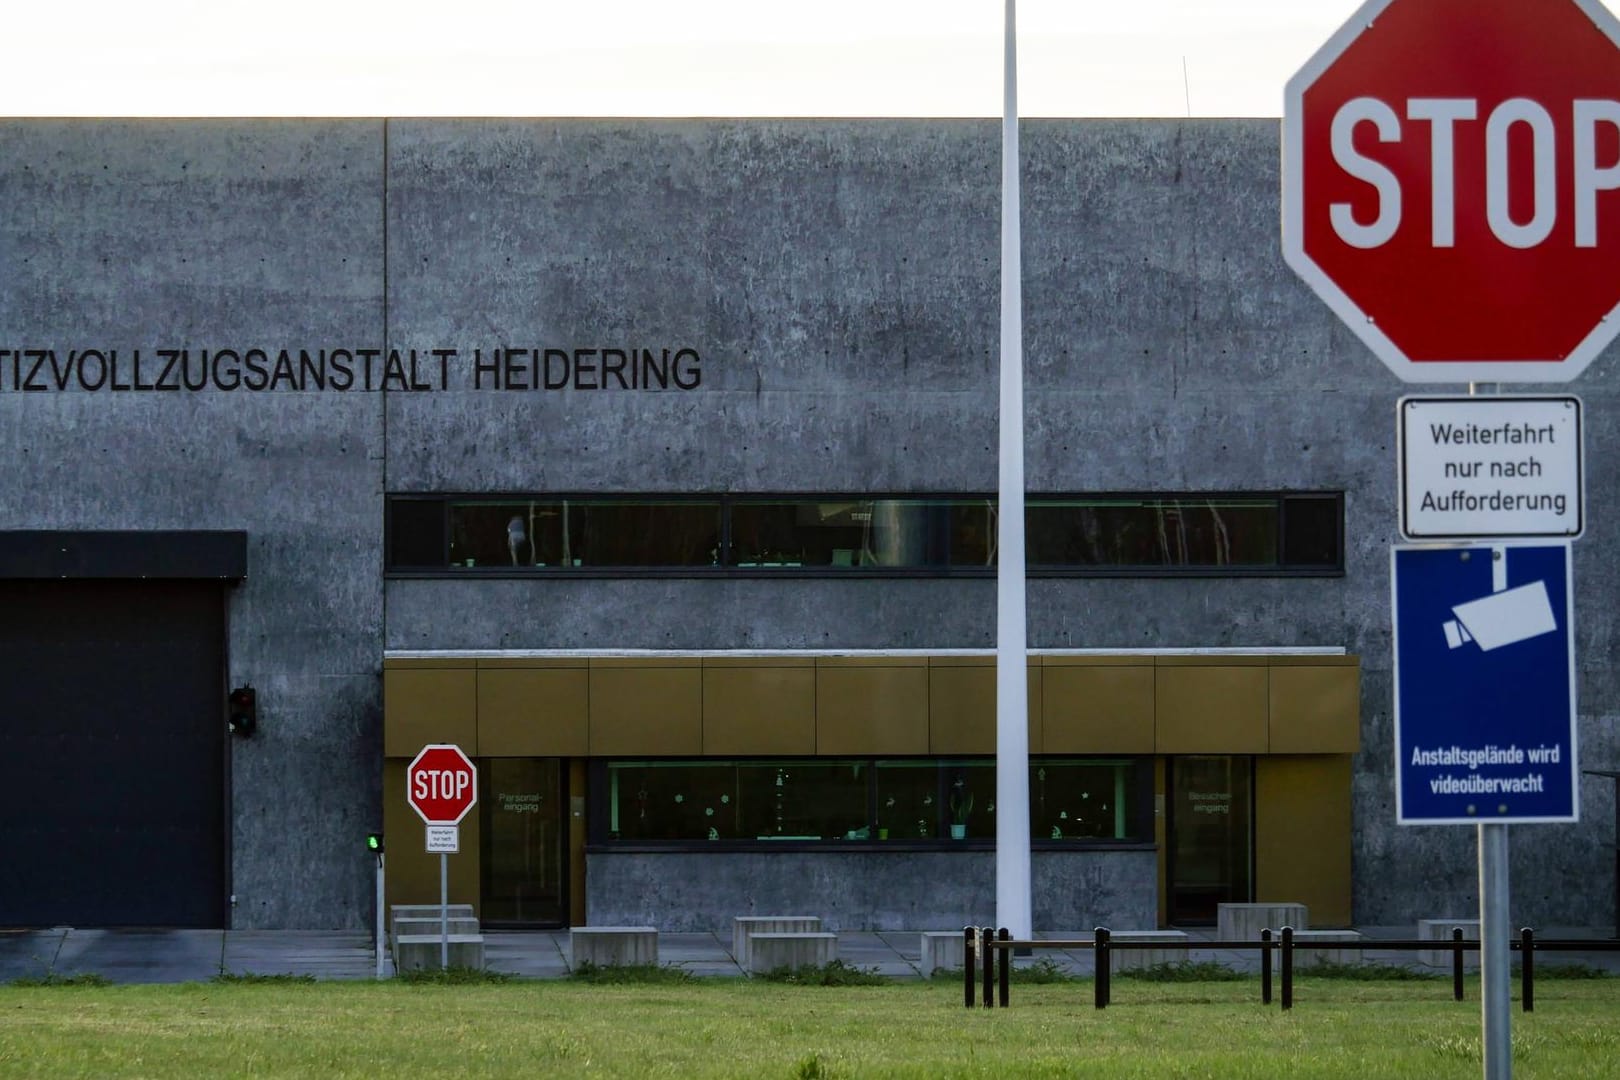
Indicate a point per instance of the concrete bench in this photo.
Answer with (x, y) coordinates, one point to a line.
(769, 951)
(1170, 947)
(941, 951)
(420, 952)
(459, 924)
(1440, 930)
(1326, 947)
(1243, 922)
(613, 946)
(744, 927)
(428, 911)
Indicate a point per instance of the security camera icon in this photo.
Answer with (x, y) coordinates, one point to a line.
(1503, 618)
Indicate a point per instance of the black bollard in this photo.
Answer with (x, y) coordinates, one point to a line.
(1005, 963)
(1456, 963)
(1288, 967)
(989, 961)
(1265, 966)
(968, 955)
(1527, 969)
(1104, 964)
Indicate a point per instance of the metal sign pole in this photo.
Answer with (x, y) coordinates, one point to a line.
(444, 911)
(380, 916)
(1493, 948)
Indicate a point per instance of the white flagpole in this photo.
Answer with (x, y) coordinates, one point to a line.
(1012, 685)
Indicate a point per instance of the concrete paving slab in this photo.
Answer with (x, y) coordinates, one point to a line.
(531, 954)
(143, 956)
(325, 954)
(30, 953)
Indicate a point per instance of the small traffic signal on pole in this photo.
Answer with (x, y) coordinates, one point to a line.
(244, 711)
(374, 843)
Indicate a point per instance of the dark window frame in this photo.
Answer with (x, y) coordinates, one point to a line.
(729, 500)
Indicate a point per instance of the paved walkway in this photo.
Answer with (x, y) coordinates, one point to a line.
(171, 956)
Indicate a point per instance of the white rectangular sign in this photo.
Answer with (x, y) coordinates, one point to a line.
(444, 839)
(1491, 467)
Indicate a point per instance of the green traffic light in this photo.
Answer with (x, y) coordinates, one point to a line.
(374, 842)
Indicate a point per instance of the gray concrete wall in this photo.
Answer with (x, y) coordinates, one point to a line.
(933, 890)
(840, 280)
(204, 234)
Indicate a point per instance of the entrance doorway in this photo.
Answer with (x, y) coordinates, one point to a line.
(524, 806)
(1211, 829)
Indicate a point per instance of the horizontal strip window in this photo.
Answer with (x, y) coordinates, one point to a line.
(1143, 534)
(820, 800)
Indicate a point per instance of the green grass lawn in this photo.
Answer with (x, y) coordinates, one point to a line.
(742, 1028)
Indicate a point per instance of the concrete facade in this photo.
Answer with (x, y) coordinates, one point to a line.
(839, 280)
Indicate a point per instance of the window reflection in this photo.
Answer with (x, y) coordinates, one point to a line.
(1153, 532)
(863, 532)
(922, 799)
(579, 533)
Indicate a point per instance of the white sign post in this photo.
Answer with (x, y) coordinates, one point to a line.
(1497, 467)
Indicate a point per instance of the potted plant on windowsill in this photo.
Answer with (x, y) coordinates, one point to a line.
(961, 805)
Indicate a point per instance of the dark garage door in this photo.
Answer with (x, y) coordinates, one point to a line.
(112, 773)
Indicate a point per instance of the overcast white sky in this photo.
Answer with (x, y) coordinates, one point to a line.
(653, 57)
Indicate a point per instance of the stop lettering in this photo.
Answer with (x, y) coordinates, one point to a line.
(1451, 185)
(441, 784)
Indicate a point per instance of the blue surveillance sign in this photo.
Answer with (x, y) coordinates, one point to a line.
(1484, 684)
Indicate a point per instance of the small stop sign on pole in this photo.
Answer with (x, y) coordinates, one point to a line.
(441, 784)
(1451, 185)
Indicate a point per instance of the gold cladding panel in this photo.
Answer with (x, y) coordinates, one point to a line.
(413, 874)
(870, 709)
(1210, 710)
(1302, 834)
(1098, 710)
(429, 705)
(962, 708)
(1315, 710)
(646, 711)
(541, 712)
(759, 710)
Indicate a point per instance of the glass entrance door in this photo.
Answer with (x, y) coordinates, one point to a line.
(525, 822)
(1211, 857)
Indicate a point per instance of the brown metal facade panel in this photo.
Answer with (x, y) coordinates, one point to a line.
(1302, 835)
(962, 707)
(1208, 709)
(534, 712)
(1093, 709)
(423, 705)
(1315, 710)
(759, 710)
(871, 709)
(646, 710)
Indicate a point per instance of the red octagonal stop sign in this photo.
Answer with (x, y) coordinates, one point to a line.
(1451, 185)
(441, 784)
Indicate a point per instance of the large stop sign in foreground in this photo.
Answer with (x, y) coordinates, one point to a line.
(441, 784)
(1451, 185)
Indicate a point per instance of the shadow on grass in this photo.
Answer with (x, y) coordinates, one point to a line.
(630, 974)
(836, 973)
(455, 976)
(88, 978)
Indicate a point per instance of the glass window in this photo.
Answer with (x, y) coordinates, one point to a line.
(725, 800)
(1076, 800)
(416, 533)
(1311, 530)
(1084, 800)
(1114, 534)
(575, 533)
(870, 533)
(1152, 532)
